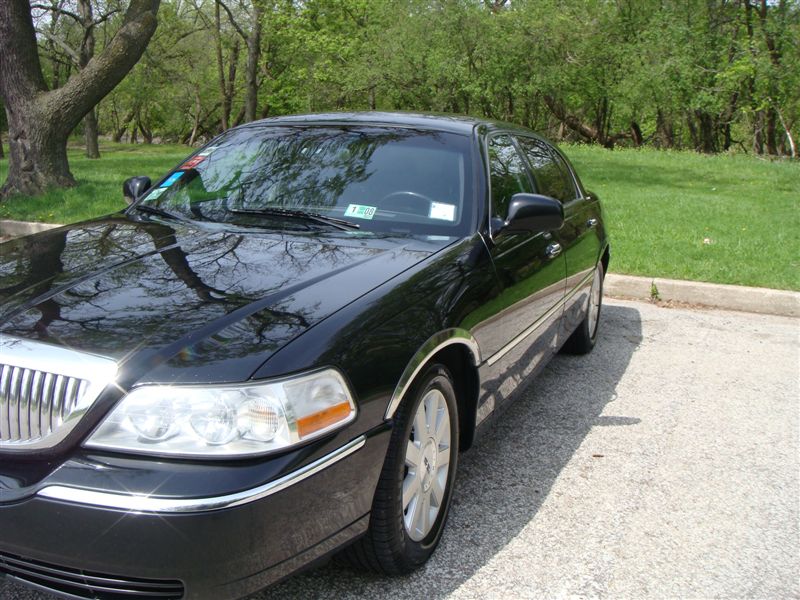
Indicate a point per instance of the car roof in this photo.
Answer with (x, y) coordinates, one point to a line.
(435, 121)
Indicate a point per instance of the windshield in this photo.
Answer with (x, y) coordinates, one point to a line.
(387, 179)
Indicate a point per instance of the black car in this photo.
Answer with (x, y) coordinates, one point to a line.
(278, 351)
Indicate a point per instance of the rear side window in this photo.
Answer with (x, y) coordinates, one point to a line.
(507, 174)
(550, 174)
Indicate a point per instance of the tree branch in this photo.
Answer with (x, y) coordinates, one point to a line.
(58, 9)
(102, 73)
(63, 45)
(238, 29)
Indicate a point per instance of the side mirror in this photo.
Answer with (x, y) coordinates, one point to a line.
(533, 213)
(134, 187)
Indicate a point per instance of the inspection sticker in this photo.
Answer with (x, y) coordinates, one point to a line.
(153, 195)
(171, 179)
(442, 211)
(193, 162)
(359, 211)
(208, 151)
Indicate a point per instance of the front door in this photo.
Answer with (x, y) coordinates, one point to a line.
(521, 332)
(579, 236)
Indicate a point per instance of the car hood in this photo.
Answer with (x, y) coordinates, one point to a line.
(181, 302)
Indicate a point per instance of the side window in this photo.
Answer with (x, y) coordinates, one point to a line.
(549, 171)
(507, 174)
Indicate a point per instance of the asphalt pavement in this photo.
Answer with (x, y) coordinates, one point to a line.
(664, 464)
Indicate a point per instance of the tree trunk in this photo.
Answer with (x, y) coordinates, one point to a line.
(37, 150)
(226, 109)
(772, 130)
(90, 134)
(40, 120)
(758, 133)
(123, 127)
(636, 134)
(253, 58)
(85, 55)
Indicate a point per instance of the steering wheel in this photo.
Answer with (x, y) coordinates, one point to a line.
(408, 201)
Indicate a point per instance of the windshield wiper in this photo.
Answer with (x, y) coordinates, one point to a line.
(156, 211)
(298, 214)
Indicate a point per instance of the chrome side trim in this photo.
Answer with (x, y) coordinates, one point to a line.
(543, 319)
(76, 377)
(431, 346)
(142, 503)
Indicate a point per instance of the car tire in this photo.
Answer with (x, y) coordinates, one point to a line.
(415, 484)
(584, 337)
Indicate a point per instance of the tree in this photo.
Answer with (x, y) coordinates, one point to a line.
(40, 119)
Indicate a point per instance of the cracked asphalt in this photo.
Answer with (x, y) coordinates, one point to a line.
(664, 464)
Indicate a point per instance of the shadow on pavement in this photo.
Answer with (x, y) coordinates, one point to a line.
(505, 478)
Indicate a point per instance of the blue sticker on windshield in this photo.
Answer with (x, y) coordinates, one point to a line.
(171, 179)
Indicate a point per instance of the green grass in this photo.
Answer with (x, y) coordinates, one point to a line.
(99, 189)
(725, 219)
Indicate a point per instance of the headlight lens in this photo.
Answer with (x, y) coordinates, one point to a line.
(227, 420)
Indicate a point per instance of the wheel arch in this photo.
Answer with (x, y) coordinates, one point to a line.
(457, 350)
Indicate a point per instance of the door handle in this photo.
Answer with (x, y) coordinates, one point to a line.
(553, 250)
(591, 223)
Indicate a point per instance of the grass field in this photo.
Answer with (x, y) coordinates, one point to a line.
(724, 219)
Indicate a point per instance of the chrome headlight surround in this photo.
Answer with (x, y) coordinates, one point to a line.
(227, 420)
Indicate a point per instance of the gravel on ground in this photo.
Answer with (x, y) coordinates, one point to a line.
(664, 464)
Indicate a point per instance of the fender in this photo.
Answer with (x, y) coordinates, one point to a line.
(430, 347)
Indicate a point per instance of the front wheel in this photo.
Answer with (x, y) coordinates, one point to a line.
(584, 337)
(413, 495)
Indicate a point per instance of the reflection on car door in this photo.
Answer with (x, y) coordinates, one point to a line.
(553, 177)
(521, 332)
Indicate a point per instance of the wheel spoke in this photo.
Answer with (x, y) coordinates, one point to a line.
(418, 519)
(420, 428)
(413, 455)
(437, 487)
(411, 487)
(431, 409)
(426, 514)
(443, 457)
(442, 433)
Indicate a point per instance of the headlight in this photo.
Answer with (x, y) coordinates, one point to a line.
(227, 420)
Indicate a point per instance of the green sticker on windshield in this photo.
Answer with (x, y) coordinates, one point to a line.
(359, 211)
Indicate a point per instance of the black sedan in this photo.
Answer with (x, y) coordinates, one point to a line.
(277, 352)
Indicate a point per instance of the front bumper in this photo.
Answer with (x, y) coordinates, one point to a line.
(221, 547)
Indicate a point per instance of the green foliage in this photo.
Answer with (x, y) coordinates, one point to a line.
(724, 219)
(708, 75)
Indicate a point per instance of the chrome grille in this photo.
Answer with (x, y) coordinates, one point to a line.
(45, 390)
(33, 404)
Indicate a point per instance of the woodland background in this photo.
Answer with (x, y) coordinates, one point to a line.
(708, 75)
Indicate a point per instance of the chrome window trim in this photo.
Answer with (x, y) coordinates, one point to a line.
(142, 503)
(98, 371)
(432, 345)
(539, 322)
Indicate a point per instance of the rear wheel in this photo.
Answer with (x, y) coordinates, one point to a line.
(413, 495)
(584, 337)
